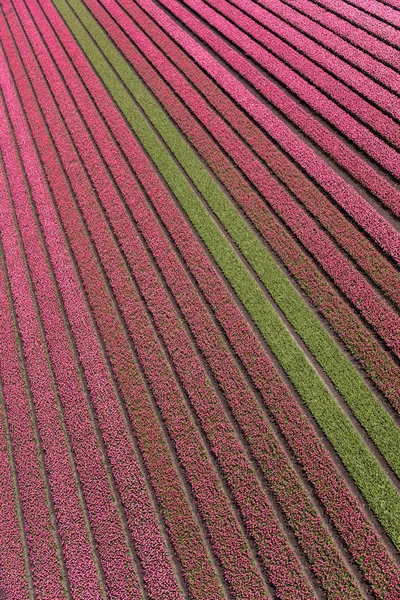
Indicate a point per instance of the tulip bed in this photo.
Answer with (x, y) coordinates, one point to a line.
(199, 295)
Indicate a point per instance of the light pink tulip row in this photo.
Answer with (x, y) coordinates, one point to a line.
(182, 353)
(348, 237)
(386, 322)
(342, 506)
(343, 193)
(299, 26)
(346, 30)
(116, 561)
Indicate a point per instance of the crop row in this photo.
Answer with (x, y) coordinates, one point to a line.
(381, 368)
(380, 187)
(383, 31)
(342, 192)
(358, 460)
(392, 3)
(171, 331)
(77, 552)
(15, 412)
(378, 423)
(324, 38)
(314, 64)
(341, 506)
(119, 447)
(165, 469)
(346, 30)
(383, 13)
(349, 237)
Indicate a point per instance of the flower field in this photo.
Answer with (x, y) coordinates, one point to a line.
(199, 299)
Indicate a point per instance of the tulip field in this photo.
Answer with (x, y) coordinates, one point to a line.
(199, 299)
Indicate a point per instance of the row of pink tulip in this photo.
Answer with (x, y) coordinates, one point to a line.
(342, 508)
(14, 581)
(358, 37)
(392, 3)
(344, 84)
(382, 13)
(31, 487)
(356, 132)
(343, 193)
(115, 557)
(188, 444)
(384, 31)
(324, 38)
(76, 548)
(386, 322)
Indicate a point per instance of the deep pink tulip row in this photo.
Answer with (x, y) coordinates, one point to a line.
(341, 506)
(76, 548)
(92, 472)
(226, 448)
(377, 149)
(297, 23)
(392, 3)
(30, 492)
(170, 495)
(386, 322)
(343, 193)
(14, 583)
(383, 31)
(359, 37)
(379, 10)
(308, 63)
(191, 371)
(116, 561)
(349, 238)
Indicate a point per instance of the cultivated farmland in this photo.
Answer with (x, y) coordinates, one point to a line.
(199, 299)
